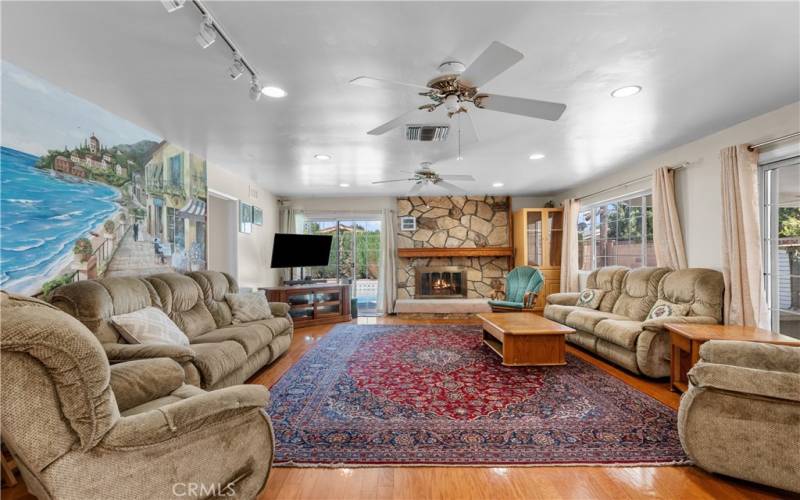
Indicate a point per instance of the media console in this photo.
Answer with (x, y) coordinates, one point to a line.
(315, 303)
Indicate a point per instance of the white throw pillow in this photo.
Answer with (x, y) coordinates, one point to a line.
(149, 326)
(248, 306)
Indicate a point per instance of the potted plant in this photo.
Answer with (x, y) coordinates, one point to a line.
(108, 228)
(82, 249)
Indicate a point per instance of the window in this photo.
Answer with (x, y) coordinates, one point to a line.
(617, 233)
(780, 216)
(176, 170)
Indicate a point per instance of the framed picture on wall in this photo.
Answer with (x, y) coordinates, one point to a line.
(258, 216)
(245, 218)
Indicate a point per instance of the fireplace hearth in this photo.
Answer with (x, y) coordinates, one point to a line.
(442, 282)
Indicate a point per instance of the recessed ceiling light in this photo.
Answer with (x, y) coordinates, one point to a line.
(344, 185)
(536, 156)
(275, 92)
(322, 157)
(497, 184)
(626, 91)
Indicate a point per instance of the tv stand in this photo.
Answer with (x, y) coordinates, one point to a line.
(306, 281)
(313, 303)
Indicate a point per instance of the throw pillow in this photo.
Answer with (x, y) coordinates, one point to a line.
(248, 306)
(590, 298)
(666, 309)
(149, 326)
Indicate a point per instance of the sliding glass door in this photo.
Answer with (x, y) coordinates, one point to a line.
(355, 256)
(780, 194)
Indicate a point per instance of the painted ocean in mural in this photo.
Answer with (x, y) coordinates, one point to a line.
(85, 194)
(42, 214)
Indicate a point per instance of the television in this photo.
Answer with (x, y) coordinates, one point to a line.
(300, 250)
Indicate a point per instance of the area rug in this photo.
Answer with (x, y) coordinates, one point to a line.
(435, 395)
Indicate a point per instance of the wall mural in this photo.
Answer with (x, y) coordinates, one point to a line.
(86, 194)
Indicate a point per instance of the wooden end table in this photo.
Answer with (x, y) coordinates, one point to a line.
(524, 338)
(687, 338)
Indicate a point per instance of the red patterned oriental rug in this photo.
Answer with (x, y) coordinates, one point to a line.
(435, 395)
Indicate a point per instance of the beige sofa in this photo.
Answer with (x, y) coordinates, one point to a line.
(741, 414)
(617, 329)
(221, 353)
(79, 429)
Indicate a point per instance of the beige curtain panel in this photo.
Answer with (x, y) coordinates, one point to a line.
(569, 246)
(742, 265)
(387, 279)
(667, 233)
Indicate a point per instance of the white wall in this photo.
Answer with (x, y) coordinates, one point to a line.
(697, 186)
(354, 204)
(254, 250)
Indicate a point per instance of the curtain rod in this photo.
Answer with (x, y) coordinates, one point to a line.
(772, 141)
(680, 166)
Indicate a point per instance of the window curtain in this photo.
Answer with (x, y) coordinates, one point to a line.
(742, 264)
(291, 222)
(387, 277)
(667, 234)
(569, 246)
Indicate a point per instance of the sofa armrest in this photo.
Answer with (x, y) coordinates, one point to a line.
(137, 382)
(563, 298)
(756, 355)
(175, 419)
(657, 325)
(129, 352)
(280, 309)
(746, 381)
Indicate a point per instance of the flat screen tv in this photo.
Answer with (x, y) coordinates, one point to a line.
(300, 250)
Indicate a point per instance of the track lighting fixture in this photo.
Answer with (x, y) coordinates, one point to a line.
(255, 89)
(172, 5)
(237, 68)
(207, 34)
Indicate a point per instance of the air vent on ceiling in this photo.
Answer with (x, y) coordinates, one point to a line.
(427, 133)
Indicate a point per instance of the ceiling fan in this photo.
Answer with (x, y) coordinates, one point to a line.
(425, 175)
(459, 85)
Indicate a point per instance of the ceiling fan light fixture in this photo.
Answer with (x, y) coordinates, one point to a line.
(274, 92)
(626, 91)
(322, 157)
(536, 156)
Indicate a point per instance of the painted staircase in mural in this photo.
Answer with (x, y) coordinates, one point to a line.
(135, 258)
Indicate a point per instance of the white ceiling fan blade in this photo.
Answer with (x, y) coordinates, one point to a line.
(415, 188)
(457, 177)
(380, 83)
(493, 61)
(544, 110)
(463, 123)
(452, 188)
(393, 180)
(400, 120)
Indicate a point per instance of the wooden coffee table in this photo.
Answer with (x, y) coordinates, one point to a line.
(525, 339)
(687, 338)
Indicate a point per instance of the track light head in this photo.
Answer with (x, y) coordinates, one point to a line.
(255, 89)
(172, 5)
(237, 68)
(207, 34)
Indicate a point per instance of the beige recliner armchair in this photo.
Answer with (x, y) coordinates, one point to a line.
(80, 429)
(741, 414)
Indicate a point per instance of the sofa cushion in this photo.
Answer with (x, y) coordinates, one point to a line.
(639, 292)
(590, 298)
(182, 300)
(559, 313)
(586, 319)
(252, 336)
(149, 326)
(248, 306)
(666, 309)
(701, 288)
(183, 392)
(214, 286)
(620, 332)
(216, 360)
(609, 279)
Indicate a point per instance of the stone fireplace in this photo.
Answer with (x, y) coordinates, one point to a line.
(441, 282)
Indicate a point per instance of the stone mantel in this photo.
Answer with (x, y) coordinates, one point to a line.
(413, 253)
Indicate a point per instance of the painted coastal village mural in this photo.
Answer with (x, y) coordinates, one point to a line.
(86, 194)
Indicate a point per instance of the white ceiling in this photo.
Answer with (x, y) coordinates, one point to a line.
(703, 66)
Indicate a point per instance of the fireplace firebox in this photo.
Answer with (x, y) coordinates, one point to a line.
(442, 282)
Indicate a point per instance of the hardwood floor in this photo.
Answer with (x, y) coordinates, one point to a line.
(494, 483)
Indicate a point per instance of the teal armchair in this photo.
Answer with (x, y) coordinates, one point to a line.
(522, 286)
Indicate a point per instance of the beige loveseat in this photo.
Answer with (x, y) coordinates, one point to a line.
(741, 414)
(221, 353)
(80, 429)
(617, 329)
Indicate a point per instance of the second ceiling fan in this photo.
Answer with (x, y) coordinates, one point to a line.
(459, 86)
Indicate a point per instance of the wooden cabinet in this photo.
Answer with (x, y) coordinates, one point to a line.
(537, 243)
(314, 304)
